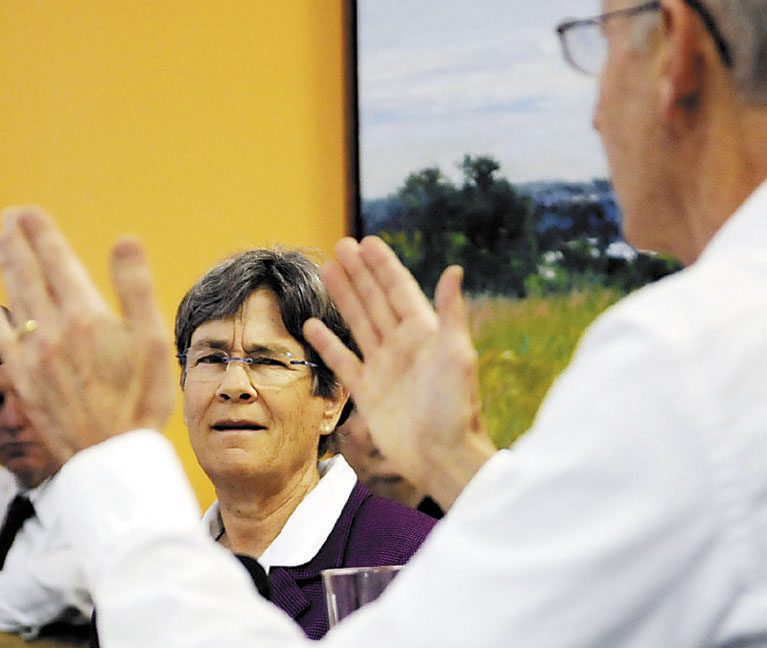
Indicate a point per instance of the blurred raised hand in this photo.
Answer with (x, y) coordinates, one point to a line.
(83, 373)
(417, 385)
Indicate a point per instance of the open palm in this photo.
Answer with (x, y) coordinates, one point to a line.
(417, 385)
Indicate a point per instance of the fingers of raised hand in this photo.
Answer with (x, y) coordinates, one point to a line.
(342, 292)
(373, 290)
(454, 331)
(132, 281)
(402, 292)
(156, 397)
(405, 353)
(451, 307)
(25, 285)
(358, 296)
(9, 348)
(342, 362)
(66, 279)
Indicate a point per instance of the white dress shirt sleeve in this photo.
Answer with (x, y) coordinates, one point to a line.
(157, 578)
(41, 580)
(47, 589)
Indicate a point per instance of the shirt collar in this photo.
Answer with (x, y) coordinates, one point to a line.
(310, 524)
(45, 509)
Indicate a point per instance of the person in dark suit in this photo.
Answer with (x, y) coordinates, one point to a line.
(262, 408)
(42, 589)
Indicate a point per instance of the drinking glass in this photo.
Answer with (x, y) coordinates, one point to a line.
(349, 588)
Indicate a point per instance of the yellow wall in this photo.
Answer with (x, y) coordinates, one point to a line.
(201, 126)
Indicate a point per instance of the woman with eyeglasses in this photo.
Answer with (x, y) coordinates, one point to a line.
(261, 408)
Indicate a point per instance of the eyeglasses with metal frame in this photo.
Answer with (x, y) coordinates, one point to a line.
(585, 48)
(270, 370)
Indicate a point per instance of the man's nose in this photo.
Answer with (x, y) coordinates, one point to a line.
(12, 417)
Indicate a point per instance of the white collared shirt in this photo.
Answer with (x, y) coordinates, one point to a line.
(632, 515)
(41, 581)
(310, 524)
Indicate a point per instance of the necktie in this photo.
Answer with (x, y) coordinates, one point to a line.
(18, 512)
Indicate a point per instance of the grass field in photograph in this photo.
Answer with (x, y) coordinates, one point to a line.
(523, 345)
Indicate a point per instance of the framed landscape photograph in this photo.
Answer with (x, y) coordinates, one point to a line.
(477, 147)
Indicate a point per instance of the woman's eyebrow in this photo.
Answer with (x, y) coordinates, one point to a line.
(253, 347)
(211, 343)
(260, 347)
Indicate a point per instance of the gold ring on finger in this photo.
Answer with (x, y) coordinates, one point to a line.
(30, 326)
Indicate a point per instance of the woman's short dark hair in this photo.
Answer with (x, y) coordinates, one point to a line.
(294, 279)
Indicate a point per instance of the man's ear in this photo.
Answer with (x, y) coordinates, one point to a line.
(682, 73)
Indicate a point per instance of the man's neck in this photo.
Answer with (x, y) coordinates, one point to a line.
(726, 163)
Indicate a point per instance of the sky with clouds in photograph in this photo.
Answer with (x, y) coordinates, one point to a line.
(442, 78)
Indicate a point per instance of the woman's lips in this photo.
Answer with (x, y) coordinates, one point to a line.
(236, 426)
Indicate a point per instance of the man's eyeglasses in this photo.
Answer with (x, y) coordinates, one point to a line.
(585, 48)
(265, 370)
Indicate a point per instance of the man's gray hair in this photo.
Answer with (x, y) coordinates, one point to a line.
(743, 24)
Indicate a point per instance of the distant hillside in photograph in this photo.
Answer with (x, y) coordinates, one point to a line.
(531, 238)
